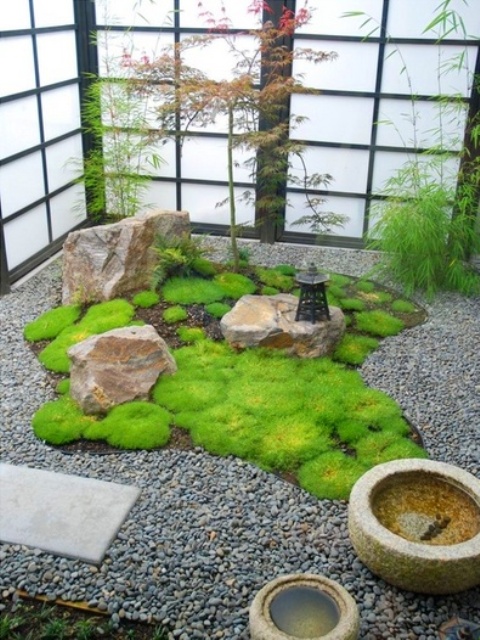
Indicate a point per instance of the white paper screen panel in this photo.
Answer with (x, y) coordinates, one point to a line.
(63, 162)
(412, 69)
(333, 119)
(327, 17)
(386, 164)
(21, 183)
(191, 16)
(25, 235)
(111, 47)
(217, 60)
(200, 202)
(16, 64)
(348, 167)
(57, 57)
(353, 208)
(67, 210)
(51, 13)
(160, 195)
(206, 159)
(354, 69)
(130, 13)
(61, 111)
(421, 124)
(409, 18)
(14, 15)
(19, 127)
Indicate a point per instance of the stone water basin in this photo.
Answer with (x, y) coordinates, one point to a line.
(416, 524)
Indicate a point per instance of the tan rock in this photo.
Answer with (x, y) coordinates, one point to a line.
(108, 261)
(117, 366)
(269, 321)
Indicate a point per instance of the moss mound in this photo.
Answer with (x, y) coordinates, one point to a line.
(354, 349)
(378, 323)
(51, 323)
(146, 299)
(235, 285)
(60, 422)
(191, 291)
(174, 314)
(217, 309)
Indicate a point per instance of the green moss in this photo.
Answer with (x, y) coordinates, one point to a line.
(336, 291)
(98, 319)
(354, 349)
(378, 323)
(269, 291)
(60, 422)
(204, 267)
(331, 475)
(403, 306)
(274, 278)
(235, 285)
(377, 448)
(285, 269)
(191, 291)
(63, 387)
(191, 334)
(51, 323)
(339, 280)
(146, 299)
(332, 300)
(133, 425)
(217, 309)
(380, 297)
(351, 430)
(174, 314)
(365, 286)
(352, 304)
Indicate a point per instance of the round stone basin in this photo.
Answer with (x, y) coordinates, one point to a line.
(416, 524)
(303, 606)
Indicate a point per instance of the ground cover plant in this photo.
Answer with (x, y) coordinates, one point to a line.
(33, 619)
(304, 419)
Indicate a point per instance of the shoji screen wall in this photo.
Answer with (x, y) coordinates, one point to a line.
(40, 135)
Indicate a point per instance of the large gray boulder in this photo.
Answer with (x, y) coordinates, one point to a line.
(108, 261)
(116, 367)
(269, 321)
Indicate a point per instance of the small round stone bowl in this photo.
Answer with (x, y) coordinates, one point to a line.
(416, 524)
(306, 605)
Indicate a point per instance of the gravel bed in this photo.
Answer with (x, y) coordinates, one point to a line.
(207, 533)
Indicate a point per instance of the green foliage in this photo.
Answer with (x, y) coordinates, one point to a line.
(351, 304)
(336, 291)
(133, 425)
(63, 387)
(146, 299)
(280, 413)
(402, 306)
(339, 280)
(191, 291)
(428, 252)
(286, 269)
(331, 475)
(354, 349)
(365, 286)
(178, 256)
(51, 323)
(204, 267)
(378, 323)
(235, 285)
(217, 309)
(190, 334)
(174, 314)
(98, 319)
(269, 291)
(60, 421)
(274, 278)
(377, 448)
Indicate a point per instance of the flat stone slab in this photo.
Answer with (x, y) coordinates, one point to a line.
(65, 515)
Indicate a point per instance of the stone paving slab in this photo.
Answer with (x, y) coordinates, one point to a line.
(63, 514)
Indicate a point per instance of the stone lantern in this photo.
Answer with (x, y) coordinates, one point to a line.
(313, 304)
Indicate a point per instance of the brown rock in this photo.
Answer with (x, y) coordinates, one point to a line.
(117, 366)
(269, 321)
(107, 261)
